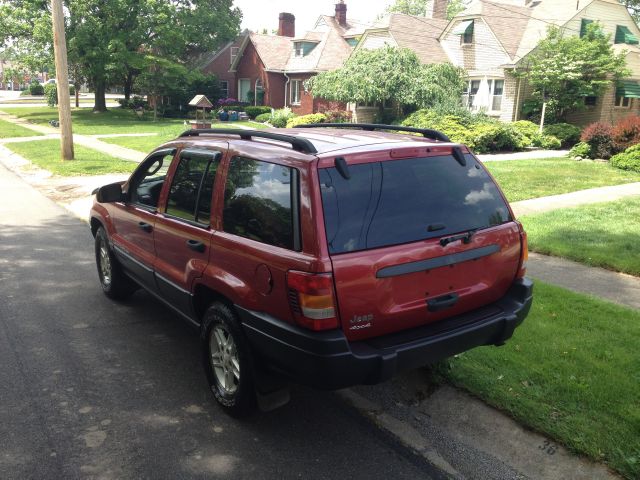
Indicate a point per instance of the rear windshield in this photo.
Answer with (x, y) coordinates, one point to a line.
(402, 201)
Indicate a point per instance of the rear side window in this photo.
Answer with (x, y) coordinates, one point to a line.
(402, 201)
(192, 187)
(257, 202)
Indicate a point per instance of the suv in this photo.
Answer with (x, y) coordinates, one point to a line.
(332, 256)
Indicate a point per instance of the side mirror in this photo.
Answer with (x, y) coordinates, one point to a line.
(110, 193)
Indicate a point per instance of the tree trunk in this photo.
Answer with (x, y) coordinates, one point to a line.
(77, 89)
(128, 85)
(100, 90)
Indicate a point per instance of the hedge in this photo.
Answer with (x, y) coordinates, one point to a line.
(307, 119)
(628, 160)
(253, 112)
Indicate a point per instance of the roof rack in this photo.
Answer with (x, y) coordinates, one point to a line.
(426, 132)
(299, 144)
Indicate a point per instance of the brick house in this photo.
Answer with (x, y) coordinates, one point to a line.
(490, 39)
(271, 69)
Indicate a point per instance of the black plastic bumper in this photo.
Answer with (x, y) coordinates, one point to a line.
(328, 360)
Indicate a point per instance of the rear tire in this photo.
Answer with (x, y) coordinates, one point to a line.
(227, 361)
(115, 284)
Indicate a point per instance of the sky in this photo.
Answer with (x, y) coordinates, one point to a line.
(259, 14)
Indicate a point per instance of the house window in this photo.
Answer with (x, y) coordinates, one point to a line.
(295, 92)
(624, 35)
(465, 30)
(623, 102)
(590, 101)
(583, 26)
(234, 54)
(493, 102)
(298, 49)
(224, 89)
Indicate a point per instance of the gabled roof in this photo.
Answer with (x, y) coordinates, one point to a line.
(273, 50)
(420, 34)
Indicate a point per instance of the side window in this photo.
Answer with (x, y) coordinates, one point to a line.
(192, 187)
(146, 186)
(257, 202)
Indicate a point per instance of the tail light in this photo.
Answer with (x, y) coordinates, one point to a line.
(524, 252)
(312, 300)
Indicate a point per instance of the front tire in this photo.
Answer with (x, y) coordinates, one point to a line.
(115, 284)
(228, 361)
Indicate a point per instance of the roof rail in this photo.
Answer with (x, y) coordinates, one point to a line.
(426, 132)
(299, 144)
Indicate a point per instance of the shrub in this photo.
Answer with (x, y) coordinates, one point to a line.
(72, 90)
(238, 107)
(253, 112)
(279, 118)
(627, 132)
(628, 160)
(548, 142)
(25, 92)
(495, 137)
(338, 116)
(599, 136)
(580, 149)
(568, 134)
(526, 128)
(307, 119)
(35, 88)
(263, 117)
(134, 103)
(51, 94)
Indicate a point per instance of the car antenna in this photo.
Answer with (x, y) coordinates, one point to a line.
(342, 168)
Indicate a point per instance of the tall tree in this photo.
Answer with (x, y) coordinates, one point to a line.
(111, 41)
(566, 69)
(389, 74)
(419, 7)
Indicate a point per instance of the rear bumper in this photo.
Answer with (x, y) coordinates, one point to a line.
(327, 360)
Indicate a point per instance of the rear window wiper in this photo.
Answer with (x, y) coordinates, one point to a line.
(465, 237)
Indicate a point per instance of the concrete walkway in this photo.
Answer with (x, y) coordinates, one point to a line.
(526, 155)
(575, 199)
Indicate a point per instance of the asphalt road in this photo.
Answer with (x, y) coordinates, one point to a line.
(90, 388)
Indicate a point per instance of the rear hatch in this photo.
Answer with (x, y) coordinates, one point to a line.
(415, 240)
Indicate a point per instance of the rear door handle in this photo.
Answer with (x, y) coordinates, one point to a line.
(440, 303)
(196, 245)
(145, 226)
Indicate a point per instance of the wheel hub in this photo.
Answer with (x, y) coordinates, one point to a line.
(224, 359)
(105, 265)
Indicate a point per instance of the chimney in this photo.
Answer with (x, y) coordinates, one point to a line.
(437, 9)
(341, 13)
(287, 25)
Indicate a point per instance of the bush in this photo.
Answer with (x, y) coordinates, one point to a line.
(548, 142)
(253, 112)
(568, 134)
(238, 107)
(496, 137)
(35, 88)
(307, 119)
(599, 136)
(526, 128)
(134, 103)
(263, 117)
(72, 90)
(580, 149)
(627, 132)
(338, 116)
(628, 160)
(279, 118)
(51, 94)
(25, 92)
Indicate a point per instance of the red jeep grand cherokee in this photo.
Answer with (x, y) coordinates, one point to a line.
(332, 256)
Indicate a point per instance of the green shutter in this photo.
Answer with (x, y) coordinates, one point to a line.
(628, 88)
(583, 26)
(624, 35)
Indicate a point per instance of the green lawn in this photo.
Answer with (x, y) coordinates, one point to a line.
(10, 130)
(46, 154)
(571, 371)
(524, 179)
(146, 144)
(603, 234)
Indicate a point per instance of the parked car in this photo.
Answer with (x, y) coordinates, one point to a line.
(328, 256)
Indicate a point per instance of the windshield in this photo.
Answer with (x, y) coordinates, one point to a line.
(402, 201)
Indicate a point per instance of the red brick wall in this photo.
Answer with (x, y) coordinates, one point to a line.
(306, 99)
(220, 68)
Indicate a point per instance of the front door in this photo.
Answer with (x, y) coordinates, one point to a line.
(134, 220)
(183, 228)
(244, 86)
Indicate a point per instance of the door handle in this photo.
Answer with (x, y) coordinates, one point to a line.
(196, 245)
(440, 303)
(145, 226)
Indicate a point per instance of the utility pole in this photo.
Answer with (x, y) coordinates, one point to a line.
(62, 80)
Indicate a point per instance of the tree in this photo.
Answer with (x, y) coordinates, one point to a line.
(566, 69)
(419, 7)
(389, 74)
(111, 42)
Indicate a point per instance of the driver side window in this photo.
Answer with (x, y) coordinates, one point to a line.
(147, 186)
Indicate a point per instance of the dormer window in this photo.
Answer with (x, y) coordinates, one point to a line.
(302, 49)
(465, 30)
(624, 35)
